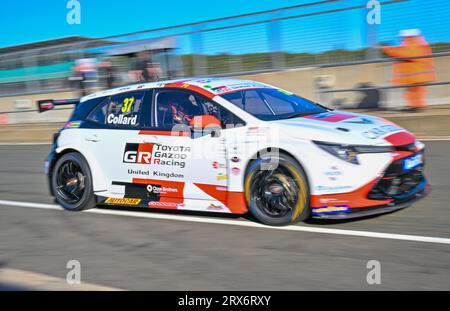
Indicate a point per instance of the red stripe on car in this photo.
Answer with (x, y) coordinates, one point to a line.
(331, 118)
(400, 139)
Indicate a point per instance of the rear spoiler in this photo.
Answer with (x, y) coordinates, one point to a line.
(49, 104)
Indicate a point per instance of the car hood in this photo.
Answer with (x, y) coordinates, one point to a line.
(346, 128)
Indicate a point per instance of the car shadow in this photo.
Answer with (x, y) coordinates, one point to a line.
(248, 216)
(324, 222)
(170, 212)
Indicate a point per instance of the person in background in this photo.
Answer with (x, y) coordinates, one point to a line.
(85, 74)
(154, 72)
(410, 70)
(140, 69)
(144, 70)
(107, 74)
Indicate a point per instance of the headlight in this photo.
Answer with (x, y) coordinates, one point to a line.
(350, 153)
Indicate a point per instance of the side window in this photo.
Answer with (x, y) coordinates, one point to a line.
(250, 101)
(254, 104)
(178, 107)
(121, 111)
(278, 105)
(98, 115)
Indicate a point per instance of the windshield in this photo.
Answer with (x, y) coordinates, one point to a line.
(273, 104)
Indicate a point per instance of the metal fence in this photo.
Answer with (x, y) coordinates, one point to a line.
(314, 33)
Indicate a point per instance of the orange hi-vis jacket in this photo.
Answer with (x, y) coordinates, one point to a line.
(412, 71)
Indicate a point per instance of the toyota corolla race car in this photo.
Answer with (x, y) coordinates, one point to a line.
(231, 146)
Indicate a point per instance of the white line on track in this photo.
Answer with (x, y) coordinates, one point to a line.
(242, 223)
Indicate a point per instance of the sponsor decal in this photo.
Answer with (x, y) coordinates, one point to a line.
(360, 121)
(122, 201)
(380, 131)
(330, 117)
(285, 92)
(72, 125)
(336, 209)
(156, 154)
(236, 171)
(152, 190)
(333, 173)
(323, 115)
(332, 201)
(166, 205)
(121, 119)
(215, 207)
(221, 89)
(333, 188)
(161, 189)
(217, 165)
(235, 159)
(167, 175)
(203, 81)
(412, 162)
(138, 172)
(221, 176)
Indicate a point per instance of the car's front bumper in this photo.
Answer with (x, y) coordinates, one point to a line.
(422, 191)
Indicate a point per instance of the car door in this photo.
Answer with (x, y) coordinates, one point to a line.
(200, 157)
(113, 137)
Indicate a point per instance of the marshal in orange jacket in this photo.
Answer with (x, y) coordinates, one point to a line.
(412, 71)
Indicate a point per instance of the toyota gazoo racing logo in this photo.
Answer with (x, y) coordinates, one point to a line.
(138, 153)
(156, 154)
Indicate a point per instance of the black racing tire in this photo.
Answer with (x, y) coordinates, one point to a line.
(71, 183)
(276, 190)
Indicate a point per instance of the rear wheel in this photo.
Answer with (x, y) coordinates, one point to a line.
(276, 190)
(72, 183)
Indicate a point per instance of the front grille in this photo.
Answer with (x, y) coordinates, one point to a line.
(396, 184)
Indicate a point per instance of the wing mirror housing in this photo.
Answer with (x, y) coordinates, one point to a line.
(206, 124)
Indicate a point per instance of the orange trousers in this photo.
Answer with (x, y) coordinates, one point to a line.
(416, 96)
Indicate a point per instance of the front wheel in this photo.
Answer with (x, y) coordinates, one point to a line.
(72, 183)
(276, 190)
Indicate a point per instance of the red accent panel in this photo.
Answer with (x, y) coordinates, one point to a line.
(165, 133)
(354, 199)
(214, 191)
(195, 88)
(204, 121)
(235, 201)
(400, 139)
(333, 118)
(401, 155)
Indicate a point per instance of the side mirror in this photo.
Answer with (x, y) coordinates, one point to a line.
(206, 124)
(45, 105)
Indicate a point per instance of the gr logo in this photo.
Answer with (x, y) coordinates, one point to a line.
(138, 153)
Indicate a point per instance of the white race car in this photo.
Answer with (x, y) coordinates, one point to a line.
(231, 146)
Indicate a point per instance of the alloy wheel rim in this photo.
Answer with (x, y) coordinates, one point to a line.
(70, 182)
(275, 192)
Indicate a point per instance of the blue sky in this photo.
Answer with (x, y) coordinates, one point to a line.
(37, 20)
